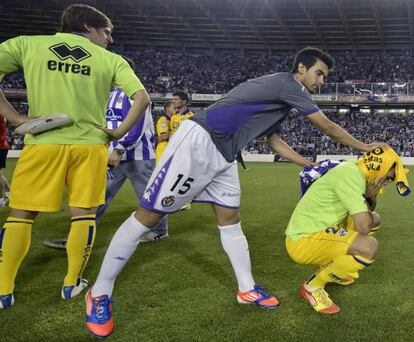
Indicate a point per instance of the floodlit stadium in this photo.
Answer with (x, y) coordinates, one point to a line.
(196, 70)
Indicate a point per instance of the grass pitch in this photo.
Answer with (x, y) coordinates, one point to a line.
(183, 288)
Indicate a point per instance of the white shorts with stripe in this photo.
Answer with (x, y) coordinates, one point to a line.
(192, 168)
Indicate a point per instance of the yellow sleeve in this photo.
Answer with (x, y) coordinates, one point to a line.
(162, 125)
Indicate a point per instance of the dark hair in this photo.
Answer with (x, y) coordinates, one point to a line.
(167, 104)
(76, 16)
(130, 62)
(181, 94)
(308, 57)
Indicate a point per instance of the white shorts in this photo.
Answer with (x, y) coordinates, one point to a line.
(191, 168)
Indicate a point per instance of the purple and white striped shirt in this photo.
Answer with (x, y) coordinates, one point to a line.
(139, 142)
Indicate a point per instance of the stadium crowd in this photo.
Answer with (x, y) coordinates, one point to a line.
(395, 129)
(161, 71)
(204, 73)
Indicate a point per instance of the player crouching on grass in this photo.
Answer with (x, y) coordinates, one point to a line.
(331, 225)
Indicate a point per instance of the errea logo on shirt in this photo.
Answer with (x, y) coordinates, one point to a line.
(68, 54)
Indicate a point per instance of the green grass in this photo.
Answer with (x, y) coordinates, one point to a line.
(183, 288)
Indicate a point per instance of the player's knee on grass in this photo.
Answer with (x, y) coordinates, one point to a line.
(148, 218)
(365, 246)
(376, 219)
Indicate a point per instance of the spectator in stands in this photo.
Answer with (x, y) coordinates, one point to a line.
(210, 73)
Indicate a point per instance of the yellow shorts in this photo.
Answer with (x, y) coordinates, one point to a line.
(43, 171)
(321, 247)
(159, 150)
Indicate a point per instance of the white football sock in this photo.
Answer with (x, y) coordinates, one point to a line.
(235, 244)
(122, 247)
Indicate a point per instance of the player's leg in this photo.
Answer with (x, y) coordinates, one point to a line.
(170, 186)
(182, 173)
(223, 192)
(37, 186)
(330, 248)
(235, 245)
(86, 190)
(139, 172)
(360, 254)
(15, 236)
(114, 182)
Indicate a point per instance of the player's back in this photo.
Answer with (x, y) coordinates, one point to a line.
(253, 108)
(64, 73)
(329, 200)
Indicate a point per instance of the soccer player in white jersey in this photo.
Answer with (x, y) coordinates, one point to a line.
(199, 165)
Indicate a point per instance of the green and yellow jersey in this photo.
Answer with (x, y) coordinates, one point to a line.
(67, 73)
(329, 201)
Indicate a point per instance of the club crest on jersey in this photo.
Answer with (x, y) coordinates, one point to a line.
(67, 53)
(168, 201)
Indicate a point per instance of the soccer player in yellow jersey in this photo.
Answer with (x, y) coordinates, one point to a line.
(163, 129)
(180, 100)
(70, 72)
(332, 223)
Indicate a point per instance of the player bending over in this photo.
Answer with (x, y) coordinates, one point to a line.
(199, 164)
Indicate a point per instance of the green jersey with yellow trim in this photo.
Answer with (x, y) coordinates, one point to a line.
(67, 73)
(329, 201)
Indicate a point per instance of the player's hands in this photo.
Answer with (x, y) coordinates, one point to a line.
(374, 145)
(21, 119)
(374, 187)
(114, 159)
(113, 134)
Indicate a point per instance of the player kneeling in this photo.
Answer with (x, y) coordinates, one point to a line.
(332, 223)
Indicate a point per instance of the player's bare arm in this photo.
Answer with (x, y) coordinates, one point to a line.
(337, 133)
(278, 145)
(11, 115)
(141, 101)
(363, 222)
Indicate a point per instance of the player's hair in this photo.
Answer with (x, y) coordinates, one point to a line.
(130, 62)
(167, 104)
(181, 94)
(308, 57)
(76, 16)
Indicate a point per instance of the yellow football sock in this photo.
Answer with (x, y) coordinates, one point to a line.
(339, 268)
(79, 246)
(14, 244)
